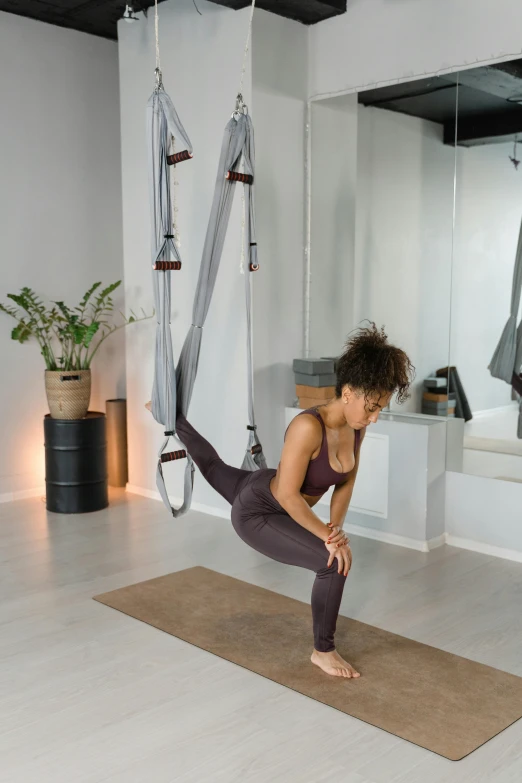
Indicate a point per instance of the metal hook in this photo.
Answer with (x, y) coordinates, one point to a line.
(241, 107)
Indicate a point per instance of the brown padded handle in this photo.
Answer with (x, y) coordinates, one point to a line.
(167, 266)
(179, 157)
(237, 176)
(170, 456)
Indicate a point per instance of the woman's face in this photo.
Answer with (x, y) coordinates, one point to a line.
(360, 410)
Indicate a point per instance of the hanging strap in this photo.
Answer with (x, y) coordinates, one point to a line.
(163, 123)
(254, 457)
(237, 146)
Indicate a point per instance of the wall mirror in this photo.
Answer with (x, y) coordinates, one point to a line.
(485, 352)
(415, 207)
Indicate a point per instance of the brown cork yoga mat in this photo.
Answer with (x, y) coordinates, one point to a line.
(442, 702)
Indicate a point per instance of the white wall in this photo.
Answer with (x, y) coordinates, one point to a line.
(333, 200)
(201, 58)
(60, 212)
(487, 225)
(380, 41)
(279, 81)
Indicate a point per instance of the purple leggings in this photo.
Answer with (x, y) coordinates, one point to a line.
(264, 525)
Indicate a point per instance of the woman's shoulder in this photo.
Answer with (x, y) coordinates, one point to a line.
(305, 426)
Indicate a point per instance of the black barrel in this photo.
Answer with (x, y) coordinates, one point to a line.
(76, 464)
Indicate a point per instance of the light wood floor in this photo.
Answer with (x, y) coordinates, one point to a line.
(90, 695)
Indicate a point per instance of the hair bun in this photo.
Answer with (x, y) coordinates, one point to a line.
(371, 365)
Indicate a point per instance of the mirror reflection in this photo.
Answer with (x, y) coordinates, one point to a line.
(381, 202)
(486, 329)
(415, 223)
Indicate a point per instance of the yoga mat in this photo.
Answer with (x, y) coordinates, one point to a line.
(440, 701)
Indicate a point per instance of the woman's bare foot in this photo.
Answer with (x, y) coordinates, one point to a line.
(148, 405)
(332, 663)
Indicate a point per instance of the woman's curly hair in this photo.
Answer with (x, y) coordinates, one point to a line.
(371, 365)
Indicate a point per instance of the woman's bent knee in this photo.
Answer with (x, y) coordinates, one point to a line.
(331, 571)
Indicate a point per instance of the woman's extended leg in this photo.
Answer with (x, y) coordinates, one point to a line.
(224, 478)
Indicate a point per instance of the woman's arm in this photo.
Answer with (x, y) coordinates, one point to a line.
(342, 494)
(302, 439)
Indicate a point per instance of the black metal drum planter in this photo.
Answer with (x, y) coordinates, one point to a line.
(76, 464)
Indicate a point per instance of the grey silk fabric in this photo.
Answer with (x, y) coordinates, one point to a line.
(238, 145)
(173, 386)
(507, 359)
(163, 123)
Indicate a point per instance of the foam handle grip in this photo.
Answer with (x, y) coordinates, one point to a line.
(237, 176)
(167, 266)
(170, 456)
(179, 157)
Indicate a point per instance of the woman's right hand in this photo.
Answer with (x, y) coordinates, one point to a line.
(344, 557)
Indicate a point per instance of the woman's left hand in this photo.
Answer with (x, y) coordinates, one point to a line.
(337, 535)
(343, 554)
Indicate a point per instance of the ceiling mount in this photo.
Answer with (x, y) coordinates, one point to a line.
(97, 17)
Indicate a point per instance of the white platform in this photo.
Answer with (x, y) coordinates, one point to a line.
(491, 446)
(494, 430)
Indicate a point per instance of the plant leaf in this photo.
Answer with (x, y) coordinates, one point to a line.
(88, 295)
(22, 333)
(9, 310)
(89, 333)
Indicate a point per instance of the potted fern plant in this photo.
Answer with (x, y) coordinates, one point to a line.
(69, 338)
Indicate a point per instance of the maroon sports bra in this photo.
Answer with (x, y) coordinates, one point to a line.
(320, 475)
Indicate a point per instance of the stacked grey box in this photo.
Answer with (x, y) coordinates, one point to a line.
(436, 385)
(317, 373)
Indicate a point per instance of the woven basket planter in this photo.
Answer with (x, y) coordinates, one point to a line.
(68, 393)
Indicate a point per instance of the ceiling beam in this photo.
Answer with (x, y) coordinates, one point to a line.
(504, 80)
(484, 129)
(305, 11)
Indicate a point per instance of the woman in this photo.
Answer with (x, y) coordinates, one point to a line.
(272, 509)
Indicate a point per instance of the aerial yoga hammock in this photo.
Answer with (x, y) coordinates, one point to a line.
(173, 385)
